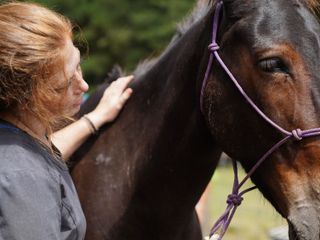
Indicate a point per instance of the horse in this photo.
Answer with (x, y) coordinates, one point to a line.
(141, 176)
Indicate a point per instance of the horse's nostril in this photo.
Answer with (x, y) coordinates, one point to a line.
(304, 226)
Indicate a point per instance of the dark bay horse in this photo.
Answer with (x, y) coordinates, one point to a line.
(141, 177)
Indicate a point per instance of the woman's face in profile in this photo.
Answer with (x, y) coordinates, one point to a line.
(73, 85)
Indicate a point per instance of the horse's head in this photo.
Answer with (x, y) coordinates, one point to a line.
(272, 47)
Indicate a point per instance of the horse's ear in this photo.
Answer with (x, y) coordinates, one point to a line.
(235, 9)
(114, 74)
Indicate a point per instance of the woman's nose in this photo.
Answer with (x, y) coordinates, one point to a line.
(83, 85)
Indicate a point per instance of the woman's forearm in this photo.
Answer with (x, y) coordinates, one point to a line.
(70, 138)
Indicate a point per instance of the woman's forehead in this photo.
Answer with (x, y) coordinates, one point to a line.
(72, 58)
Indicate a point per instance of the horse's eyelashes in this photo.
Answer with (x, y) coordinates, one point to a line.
(273, 65)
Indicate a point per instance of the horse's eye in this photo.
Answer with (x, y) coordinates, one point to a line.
(273, 65)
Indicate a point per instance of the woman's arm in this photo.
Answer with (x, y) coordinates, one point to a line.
(112, 101)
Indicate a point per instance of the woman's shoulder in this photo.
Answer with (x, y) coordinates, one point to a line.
(19, 152)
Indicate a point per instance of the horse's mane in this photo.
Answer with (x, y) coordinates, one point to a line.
(200, 9)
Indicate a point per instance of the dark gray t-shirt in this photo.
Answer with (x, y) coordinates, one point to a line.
(38, 200)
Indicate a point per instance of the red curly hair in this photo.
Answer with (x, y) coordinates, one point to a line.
(32, 40)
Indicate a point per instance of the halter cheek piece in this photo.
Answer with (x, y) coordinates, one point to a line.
(235, 198)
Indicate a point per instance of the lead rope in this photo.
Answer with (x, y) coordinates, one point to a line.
(235, 198)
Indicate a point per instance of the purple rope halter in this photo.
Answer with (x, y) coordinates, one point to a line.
(235, 198)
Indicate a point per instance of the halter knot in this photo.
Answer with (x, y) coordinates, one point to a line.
(213, 47)
(297, 134)
(234, 199)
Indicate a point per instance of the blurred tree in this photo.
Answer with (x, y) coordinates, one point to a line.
(123, 31)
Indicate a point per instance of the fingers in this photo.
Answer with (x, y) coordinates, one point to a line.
(124, 98)
(118, 93)
(113, 99)
(126, 95)
(123, 82)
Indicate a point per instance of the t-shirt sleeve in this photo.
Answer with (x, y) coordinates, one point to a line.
(29, 206)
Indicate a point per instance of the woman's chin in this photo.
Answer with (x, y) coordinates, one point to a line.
(72, 111)
(76, 110)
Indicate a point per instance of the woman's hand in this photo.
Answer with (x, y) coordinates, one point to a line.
(112, 101)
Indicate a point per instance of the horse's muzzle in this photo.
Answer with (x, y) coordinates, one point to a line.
(304, 224)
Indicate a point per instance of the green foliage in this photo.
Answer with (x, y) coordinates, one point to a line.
(122, 32)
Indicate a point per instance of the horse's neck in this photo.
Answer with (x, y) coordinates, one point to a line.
(167, 131)
(161, 128)
(159, 150)
(162, 120)
(178, 75)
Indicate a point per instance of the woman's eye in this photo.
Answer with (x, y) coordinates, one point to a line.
(66, 85)
(71, 80)
(273, 65)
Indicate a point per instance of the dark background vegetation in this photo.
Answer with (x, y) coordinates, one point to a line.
(121, 32)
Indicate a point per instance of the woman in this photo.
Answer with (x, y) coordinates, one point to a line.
(41, 84)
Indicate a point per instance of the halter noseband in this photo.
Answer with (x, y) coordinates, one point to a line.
(235, 198)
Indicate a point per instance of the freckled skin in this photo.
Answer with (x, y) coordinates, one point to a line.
(163, 151)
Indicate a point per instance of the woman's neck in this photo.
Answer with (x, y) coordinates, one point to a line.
(28, 123)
